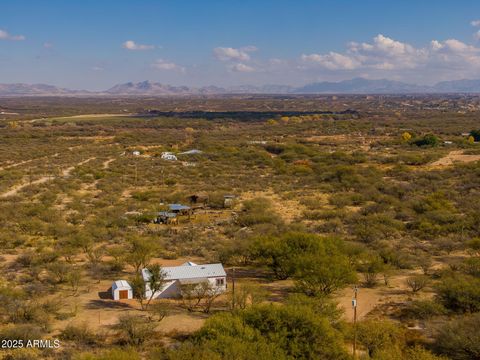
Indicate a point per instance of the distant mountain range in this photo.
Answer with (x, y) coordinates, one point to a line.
(148, 88)
(36, 90)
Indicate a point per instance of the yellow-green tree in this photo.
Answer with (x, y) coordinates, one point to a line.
(406, 136)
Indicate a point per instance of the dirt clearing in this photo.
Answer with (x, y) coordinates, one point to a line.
(455, 156)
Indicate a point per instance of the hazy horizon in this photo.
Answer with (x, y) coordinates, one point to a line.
(93, 46)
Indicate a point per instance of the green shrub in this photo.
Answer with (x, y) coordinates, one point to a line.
(459, 339)
(427, 140)
(423, 309)
(460, 293)
(79, 334)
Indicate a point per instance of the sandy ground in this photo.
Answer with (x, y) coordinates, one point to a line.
(106, 163)
(455, 156)
(289, 210)
(368, 299)
(94, 306)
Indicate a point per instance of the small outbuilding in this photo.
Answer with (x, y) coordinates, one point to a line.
(228, 200)
(180, 209)
(168, 156)
(165, 217)
(199, 199)
(121, 290)
(191, 152)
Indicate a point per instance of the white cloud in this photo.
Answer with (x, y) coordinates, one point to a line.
(332, 61)
(233, 54)
(390, 58)
(161, 64)
(436, 45)
(47, 45)
(97, 68)
(242, 68)
(4, 35)
(475, 23)
(132, 45)
(387, 53)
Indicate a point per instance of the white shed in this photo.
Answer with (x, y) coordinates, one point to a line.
(121, 290)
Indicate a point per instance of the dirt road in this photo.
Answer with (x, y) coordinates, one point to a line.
(65, 173)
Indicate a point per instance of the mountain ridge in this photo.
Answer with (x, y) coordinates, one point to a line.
(148, 88)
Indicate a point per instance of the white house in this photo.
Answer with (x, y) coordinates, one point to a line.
(168, 156)
(136, 153)
(188, 273)
(121, 290)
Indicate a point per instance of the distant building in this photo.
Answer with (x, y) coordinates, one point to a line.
(187, 273)
(228, 200)
(199, 199)
(168, 156)
(192, 152)
(136, 153)
(180, 209)
(165, 217)
(121, 290)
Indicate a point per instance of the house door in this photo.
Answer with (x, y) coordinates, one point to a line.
(123, 294)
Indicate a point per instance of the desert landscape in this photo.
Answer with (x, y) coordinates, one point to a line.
(319, 204)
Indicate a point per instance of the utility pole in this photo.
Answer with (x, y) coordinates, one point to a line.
(233, 288)
(136, 174)
(354, 305)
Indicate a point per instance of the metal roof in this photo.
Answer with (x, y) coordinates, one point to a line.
(189, 272)
(119, 284)
(167, 214)
(177, 207)
(191, 152)
(189, 263)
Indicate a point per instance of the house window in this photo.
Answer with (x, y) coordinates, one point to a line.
(220, 282)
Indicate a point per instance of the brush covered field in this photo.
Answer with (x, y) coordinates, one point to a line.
(384, 197)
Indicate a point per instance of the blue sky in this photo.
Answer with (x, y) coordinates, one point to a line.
(95, 44)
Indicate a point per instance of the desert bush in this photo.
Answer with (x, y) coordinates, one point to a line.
(471, 266)
(275, 332)
(459, 339)
(417, 282)
(133, 329)
(247, 294)
(112, 354)
(80, 334)
(371, 265)
(423, 309)
(460, 293)
(257, 211)
(427, 140)
(377, 336)
(23, 332)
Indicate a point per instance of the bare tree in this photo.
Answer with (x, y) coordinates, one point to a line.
(210, 293)
(417, 282)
